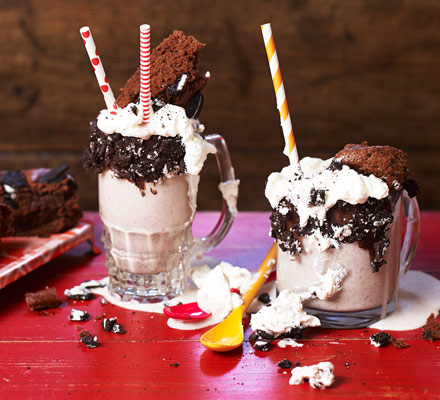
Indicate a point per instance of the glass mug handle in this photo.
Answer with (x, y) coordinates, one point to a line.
(206, 243)
(409, 246)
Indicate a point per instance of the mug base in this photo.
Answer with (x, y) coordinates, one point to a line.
(351, 320)
(146, 288)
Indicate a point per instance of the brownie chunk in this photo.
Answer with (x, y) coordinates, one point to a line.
(384, 162)
(175, 76)
(42, 201)
(46, 298)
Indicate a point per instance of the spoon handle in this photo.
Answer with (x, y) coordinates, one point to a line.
(263, 273)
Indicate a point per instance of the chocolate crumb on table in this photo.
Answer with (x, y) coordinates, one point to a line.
(431, 330)
(89, 340)
(46, 298)
(285, 364)
(399, 343)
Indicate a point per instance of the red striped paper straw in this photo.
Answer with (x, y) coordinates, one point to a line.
(109, 98)
(290, 150)
(145, 94)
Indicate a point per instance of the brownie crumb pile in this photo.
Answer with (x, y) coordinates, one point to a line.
(46, 298)
(431, 330)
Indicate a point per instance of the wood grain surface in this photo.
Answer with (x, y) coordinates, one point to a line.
(353, 70)
(41, 357)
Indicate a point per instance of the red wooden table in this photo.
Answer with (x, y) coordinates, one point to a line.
(40, 356)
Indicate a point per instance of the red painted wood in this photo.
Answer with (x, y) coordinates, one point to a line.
(40, 355)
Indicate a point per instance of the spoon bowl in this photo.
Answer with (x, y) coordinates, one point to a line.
(227, 335)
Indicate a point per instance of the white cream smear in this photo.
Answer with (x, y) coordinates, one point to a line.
(229, 191)
(419, 296)
(204, 288)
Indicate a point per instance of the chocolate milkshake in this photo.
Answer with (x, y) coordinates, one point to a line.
(338, 227)
(149, 174)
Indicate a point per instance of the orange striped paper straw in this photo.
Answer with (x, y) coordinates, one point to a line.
(290, 149)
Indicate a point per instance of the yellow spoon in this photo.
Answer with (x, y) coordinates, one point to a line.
(228, 334)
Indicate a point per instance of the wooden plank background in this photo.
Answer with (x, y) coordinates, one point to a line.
(353, 70)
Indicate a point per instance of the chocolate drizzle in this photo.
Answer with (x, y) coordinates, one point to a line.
(133, 158)
(365, 224)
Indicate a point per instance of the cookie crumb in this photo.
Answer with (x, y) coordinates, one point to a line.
(111, 325)
(285, 364)
(79, 315)
(89, 340)
(380, 339)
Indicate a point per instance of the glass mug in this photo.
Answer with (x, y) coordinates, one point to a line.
(366, 296)
(148, 236)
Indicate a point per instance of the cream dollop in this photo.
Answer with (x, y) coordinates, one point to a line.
(168, 121)
(214, 294)
(319, 376)
(229, 191)
(285, 313)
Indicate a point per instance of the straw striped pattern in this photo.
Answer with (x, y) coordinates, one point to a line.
(145, 94)
(290, 149)
(106, 91)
